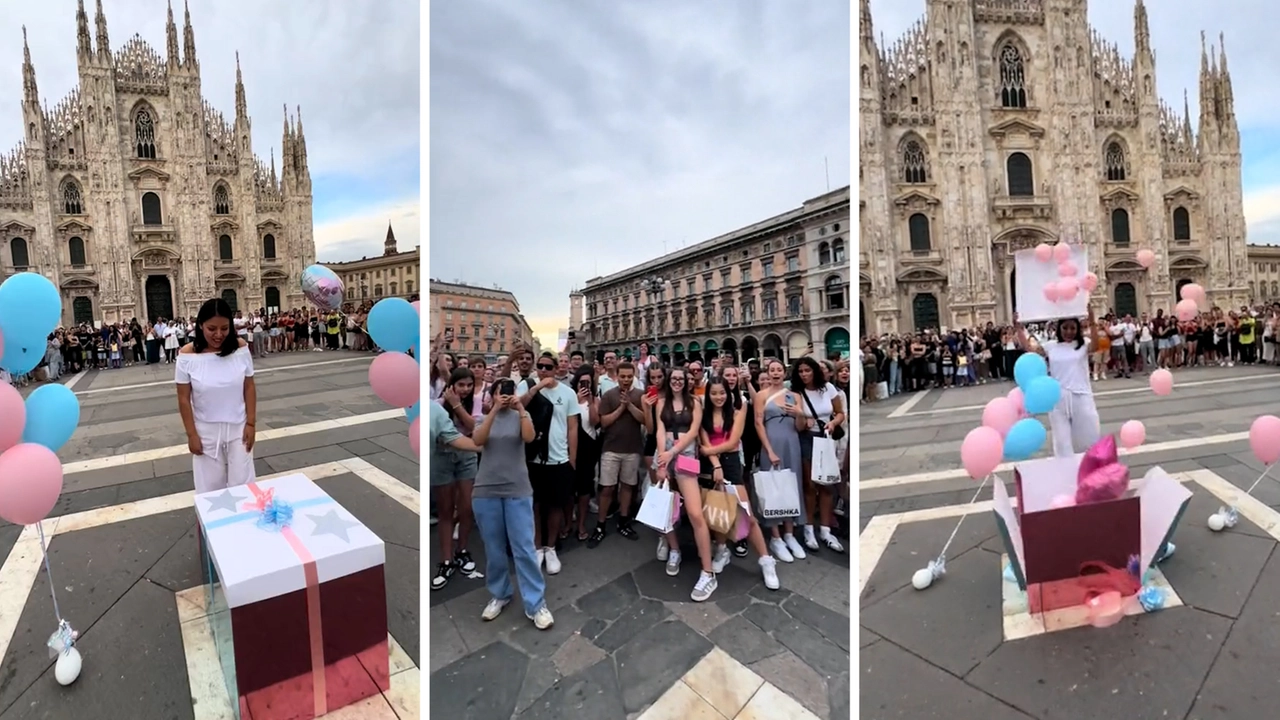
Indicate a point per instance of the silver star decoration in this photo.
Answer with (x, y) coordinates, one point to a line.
(332, 524)
(224, 501)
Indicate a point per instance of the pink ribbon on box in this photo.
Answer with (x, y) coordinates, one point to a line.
(315, 629)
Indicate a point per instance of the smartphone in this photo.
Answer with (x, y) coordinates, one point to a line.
(506, 387)
(651, 391)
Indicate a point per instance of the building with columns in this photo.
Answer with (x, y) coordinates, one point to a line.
(995, 125)
(776, 288)
(391, 274)
(478, 320)
(138, 199)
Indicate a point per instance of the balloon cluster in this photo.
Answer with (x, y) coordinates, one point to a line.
(32, 431)
(1193, 296)
(1070, 282)
(394, 375)
(1008, 431)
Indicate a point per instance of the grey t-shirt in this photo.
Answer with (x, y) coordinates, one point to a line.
(503, 473)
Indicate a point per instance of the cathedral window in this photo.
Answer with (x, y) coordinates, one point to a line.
(1021, 179)
(1013, 90)
(151, 214)
(144, 132)
(269, 246)
(918, 230)
(18, 253)
(1181, 224)
(914, 169)
(75, 248)
(221, 200)
(1114, 162)
(1120, 227)
(225, 250)
(71, 200)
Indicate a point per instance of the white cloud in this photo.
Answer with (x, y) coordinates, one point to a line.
(361, 235)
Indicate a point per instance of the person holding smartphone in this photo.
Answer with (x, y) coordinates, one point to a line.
(588, 445)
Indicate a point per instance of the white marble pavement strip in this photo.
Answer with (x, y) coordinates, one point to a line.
(721, 688)
(257, 371)
(20, 569)
(269, 434)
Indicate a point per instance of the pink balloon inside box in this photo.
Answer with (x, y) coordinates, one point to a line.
(296, 598)
(1064, 557)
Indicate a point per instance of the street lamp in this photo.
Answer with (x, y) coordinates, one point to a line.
(653, 285)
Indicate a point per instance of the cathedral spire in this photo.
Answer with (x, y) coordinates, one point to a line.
(389, 245)
(29, 89)
(171, 35)
(104, 40)
(84, 43)
(1141, 29)
(1186, 115)
(188, 39)
(1225, 91)
(242, 106)
(866, 28)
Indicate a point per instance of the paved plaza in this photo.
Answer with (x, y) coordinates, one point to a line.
(958, 650)
(124, 551)
(628, 643)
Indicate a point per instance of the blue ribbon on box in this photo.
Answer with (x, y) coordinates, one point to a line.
(259, 516)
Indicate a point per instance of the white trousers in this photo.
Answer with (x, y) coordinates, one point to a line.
(225, 462)
(1074, 424)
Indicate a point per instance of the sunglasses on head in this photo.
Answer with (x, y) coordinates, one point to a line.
(542, 366)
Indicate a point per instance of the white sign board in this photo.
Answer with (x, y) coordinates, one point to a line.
(1031, 278)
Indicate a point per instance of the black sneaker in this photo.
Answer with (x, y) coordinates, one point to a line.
(625, 529)
(597, 536)
(740, 549)
(462, 560)
(444, 571)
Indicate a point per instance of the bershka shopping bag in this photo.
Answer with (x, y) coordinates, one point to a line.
(720, 509)
(660, 509)
(778, 493)
(826, 463)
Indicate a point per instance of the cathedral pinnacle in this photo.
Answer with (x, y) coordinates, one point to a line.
(242, 106)
(104, 41)
(171, 35)
(188, 39)
(84, 43)
(1141, 29)
(29, 88)
(389, 245)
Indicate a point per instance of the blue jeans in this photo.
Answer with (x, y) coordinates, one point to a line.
(504, 521)
(895, 378)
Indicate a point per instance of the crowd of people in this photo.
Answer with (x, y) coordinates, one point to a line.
(1120, 345)
(542, 450)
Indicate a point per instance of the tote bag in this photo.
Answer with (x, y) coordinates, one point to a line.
(660, 509)
(720, 509)
(826, 462)
(778, 493)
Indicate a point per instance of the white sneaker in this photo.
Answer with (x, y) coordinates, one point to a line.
(780, 550)
(494, 609)
(542, 619)
(673, 563)
(810, 541)
(794, 546)
(720, 558)
(830, 540)
(769, 568)
(706, 585)
(541, 557)
(553, 561)
(662, 549)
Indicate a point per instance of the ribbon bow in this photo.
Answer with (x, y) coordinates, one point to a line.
(274, 514)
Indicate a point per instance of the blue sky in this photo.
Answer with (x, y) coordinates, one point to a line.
(353, 67)
(1252, 55)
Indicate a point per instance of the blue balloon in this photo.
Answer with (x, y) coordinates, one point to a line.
(30, 308)
(1029, 367)
(1041, 395)
(1025, 438)
(53, 412)
(22, 355)
(412, 413)
(393, 324)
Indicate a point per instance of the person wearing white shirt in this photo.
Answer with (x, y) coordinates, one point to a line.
(1123, 333)
(1073, 423)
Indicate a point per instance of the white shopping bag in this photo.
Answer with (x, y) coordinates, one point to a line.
(826, 462)
(778, 493)
(660, 509)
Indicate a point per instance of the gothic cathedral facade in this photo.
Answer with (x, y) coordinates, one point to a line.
(140, 200)
(994, 125)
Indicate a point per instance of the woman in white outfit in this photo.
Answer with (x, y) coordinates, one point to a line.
(217, 400)
(1074, 421)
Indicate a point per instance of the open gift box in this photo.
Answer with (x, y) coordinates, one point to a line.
(1063, 556)
(297, 599)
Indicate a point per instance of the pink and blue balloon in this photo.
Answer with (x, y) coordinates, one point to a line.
(1041, 394)
(53, 412)
(1025, 439)
(1029, 367)
(393, 324)
(1000, 414)
(30, 483)
(322, 287)
(412, 412)
(395, 379)
(981, 450)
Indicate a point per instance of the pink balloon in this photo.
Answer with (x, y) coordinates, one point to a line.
(1051, 292)
(1106, 609)
(1062, 252)
(981, 451)
(30, 483)
(1000, 414)
(1133, 434)
(1193, 292)
(13, 416)
(1044, 253)
(395, 379)
(415, 436)
(1162, 382)
(1019, 401)
(1068, 269)
(417, 306)
(1146, 258)
(1068, 288)
(1264, 438)
(1186, 310)
(1089, 282)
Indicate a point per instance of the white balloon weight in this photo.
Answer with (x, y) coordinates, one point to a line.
(67, 669)
(322, 287)
(922, 579)
(1217, 522)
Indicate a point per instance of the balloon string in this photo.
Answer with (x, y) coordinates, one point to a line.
(966, 513)
(48, 573)
(1255, 482)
